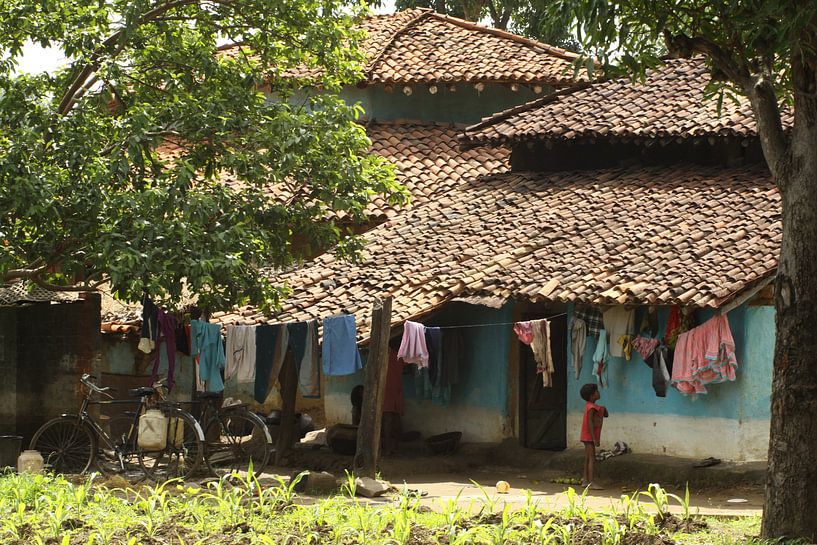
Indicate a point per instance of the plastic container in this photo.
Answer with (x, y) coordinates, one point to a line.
(176, 432)
(10, 446)
(152, 430)
(30, 461)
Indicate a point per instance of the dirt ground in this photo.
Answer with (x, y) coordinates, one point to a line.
(444, 487)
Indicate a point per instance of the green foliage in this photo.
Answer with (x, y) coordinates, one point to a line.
(235, 511)
(84, 195)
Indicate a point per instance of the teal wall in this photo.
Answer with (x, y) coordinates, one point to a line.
(630, 388)
(479, 402)
(465, 105)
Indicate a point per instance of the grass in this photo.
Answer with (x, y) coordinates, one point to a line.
(51, 510)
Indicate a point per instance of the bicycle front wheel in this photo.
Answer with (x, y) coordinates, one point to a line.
(236, 443)
(66, 444)
(183, 451)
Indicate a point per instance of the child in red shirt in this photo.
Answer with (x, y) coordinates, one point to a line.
(594, 415)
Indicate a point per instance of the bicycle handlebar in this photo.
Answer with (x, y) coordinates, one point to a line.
(86, 380)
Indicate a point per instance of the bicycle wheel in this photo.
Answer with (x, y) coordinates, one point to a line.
(66, 443)
(182, 454)
(235, 442)
(119, 457)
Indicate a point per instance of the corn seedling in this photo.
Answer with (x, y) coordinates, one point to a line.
(488, 503)
(613, 532)
(576, 504)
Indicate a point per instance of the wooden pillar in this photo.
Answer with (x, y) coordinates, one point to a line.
(288, 380)
(374, 386)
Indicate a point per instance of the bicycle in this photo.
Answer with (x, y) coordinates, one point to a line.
(235, 438)
(73, 443)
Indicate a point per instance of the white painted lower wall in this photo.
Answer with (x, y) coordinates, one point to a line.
(684, 436)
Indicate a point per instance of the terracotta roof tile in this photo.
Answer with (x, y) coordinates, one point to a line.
(672, 103)
(690, 235)
(421, 46)
(426, 156)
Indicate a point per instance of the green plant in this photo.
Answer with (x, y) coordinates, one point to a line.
(488, 503)
(576, 504)
(349, 486)
(613, 532)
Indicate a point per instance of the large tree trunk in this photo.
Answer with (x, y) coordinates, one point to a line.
(791, 483)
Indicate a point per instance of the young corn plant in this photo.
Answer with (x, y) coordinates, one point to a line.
(660, 499)
(488, 503)
(613, 532)
(577, 504)
(632, 510)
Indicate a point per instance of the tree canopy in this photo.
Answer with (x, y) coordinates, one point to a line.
(86, 197)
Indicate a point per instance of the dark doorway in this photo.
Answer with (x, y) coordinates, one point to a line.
(543, 411)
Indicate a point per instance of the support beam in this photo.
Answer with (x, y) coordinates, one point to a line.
(288, 380)
(374, 389)
(745, 296)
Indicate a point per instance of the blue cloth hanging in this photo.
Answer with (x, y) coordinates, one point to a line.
(340, 353)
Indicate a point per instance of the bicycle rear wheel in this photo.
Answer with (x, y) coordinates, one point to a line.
(235, 442)
(182, 454)
(122, 458)
(66, 443)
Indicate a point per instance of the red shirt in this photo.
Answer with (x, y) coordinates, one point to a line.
(588, 435)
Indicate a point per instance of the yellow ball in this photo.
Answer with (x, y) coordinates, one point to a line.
(502, 487)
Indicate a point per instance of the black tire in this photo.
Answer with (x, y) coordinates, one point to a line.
(234, 442)
(67, 445)
(108, 461)
(180, 458)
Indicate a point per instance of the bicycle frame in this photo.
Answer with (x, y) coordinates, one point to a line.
(210, 411)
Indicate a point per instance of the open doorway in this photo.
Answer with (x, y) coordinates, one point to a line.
(543, 411)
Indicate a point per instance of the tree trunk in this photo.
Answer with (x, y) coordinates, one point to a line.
(791, 482)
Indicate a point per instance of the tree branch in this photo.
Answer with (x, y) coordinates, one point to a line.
(16, 274)
(759, 88)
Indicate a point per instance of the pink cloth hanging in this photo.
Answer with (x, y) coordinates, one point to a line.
(524, 330)
(704, 355)
(413, 347)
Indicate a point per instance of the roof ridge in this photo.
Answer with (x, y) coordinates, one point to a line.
(424, 12)
(471, 25)
(415, 122)
(535, 103)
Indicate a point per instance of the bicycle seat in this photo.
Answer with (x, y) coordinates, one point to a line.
(144, 391)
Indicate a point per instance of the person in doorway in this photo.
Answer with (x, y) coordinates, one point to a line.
(357, 404)
(594, 415)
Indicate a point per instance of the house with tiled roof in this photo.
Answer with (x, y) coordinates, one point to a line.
(426, 77)
(646, 200)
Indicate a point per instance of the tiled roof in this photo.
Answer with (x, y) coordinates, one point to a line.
(427, 158)
(686, 235)
(672, 103)
(421, 46)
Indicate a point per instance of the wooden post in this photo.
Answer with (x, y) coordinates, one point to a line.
(288, 380)
(374, 390)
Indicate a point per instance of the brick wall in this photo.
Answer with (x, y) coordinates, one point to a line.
(55, 344)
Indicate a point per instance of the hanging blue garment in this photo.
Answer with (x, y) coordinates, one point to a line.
(303, 341)
(340, 353)
(266, 337)
(206, 343)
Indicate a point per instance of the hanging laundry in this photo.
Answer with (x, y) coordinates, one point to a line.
(166, 333)
(266, 337)
(542, 353)
(524, 330)
(578, 340)
(393, 400)
(619, 323)
(340, 353)
(150, 328)
(280, 353)
(241, 353)
(206, 344)
(434, 340)
(645, 346)
(679, 322)
(592, 318)
(704, 355)
(413, 348)
(600, 357)
(661, 363)
(182, 339)
(196, 359)
(303, 340)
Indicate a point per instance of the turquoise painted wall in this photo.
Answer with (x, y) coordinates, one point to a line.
(748, 397)
(479, 402)
(465, 105)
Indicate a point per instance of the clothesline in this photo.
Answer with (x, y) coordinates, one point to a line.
(492, 325)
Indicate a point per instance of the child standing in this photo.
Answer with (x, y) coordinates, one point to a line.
(594, 415)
